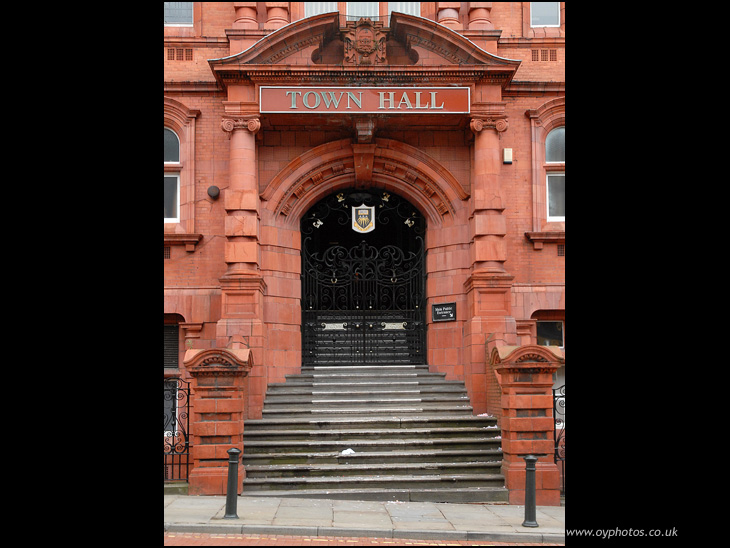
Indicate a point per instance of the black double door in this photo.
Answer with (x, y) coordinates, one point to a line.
(363, 294)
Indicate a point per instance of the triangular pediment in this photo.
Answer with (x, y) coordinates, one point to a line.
(329, 42)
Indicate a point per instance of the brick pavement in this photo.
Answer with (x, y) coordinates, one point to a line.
(210, 539)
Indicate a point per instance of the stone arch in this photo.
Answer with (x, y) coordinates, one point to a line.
(396, 166)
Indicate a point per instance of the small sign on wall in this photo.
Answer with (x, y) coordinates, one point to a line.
(443, 312)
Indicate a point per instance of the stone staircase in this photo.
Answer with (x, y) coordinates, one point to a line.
(385, 432)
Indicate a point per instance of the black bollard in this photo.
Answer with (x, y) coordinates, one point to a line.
(232, 490)
(530, 510)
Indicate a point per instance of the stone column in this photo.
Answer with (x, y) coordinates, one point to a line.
(242, 285)
(217, 410)
(277, 14)
(525, 377)
(489, 284)
(245, 26)
(447, 13)
(480, 16)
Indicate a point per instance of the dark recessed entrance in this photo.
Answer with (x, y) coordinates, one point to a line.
(363, 280)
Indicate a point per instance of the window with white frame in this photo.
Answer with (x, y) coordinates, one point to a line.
(361, 9)
(315, 8)
(555, 167)
(544, 14)
(178, 14)
(411, 8)
(172, 177)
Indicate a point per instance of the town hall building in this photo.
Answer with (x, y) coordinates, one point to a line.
(372, 186)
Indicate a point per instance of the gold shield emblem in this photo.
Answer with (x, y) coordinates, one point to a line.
(363, 218)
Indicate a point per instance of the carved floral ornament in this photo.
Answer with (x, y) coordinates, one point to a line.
(250, 123)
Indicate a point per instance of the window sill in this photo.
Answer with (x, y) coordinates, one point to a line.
(188, 240)
(540, 238)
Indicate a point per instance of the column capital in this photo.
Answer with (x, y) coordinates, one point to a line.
(250, 123)
(497, 123)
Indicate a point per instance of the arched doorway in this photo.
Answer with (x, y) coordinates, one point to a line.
(363, 280)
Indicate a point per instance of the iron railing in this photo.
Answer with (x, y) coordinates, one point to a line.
(559, 416)
(177, 427)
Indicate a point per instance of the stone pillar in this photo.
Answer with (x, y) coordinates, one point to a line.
(480, 16)
(245, 26)
(525, 377)
(246, 15)
(217, 409)
(242, 285)
(447, 13)
(488, 288)
(277, 14)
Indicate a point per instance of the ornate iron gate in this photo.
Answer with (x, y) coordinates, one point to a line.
(559, 416)
(363, 305)
(177, 424)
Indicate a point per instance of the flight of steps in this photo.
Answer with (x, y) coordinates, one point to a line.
(412, 432)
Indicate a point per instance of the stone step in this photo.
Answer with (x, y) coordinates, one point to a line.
(366, 399)
(400, 468)
(359, 384)
(406, 481)
(371, 423)
(406, 434)
(381, 433)
(360, 392)
(369, 405)
(411, 456)
(369, 376)
(365, 445)
(442, 494)
(367, 379)
(304, 411)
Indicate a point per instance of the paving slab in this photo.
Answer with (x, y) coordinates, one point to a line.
(383, 519)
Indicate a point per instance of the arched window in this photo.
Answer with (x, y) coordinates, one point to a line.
(172, 178)
(555, 156)
(555, 145)
(172, 147)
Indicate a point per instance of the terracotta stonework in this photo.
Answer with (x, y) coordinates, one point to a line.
(248, 174)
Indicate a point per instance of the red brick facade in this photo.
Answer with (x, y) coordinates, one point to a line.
(232, 269)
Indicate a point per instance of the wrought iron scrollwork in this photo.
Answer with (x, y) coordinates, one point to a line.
(368, 291)
(363, 295)
(177, 424)
(559, 417)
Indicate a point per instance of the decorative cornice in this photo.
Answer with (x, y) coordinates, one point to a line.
(362, 75)
(188, 240)
(539, 238)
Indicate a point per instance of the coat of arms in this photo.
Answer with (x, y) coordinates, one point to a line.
(364, 42)
(363, 219)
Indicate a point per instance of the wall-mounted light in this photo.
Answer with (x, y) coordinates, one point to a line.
(507, 156)
(214, 192)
